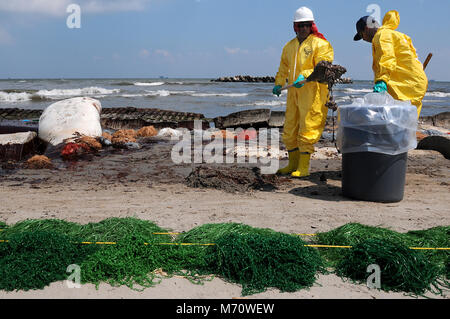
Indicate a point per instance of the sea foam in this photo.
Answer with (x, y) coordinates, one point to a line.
(148, 83)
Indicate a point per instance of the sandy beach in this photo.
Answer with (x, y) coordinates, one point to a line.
(147, 185)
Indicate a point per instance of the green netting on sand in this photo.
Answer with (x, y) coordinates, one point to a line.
(401, 268)
(354, 233)
(256, 258)
(3, 225)
(33, 260)
(434, 237)
(108, 230)
(45, 225)
(131, 262)
(199, 258)
(209, 233)
(258, 262)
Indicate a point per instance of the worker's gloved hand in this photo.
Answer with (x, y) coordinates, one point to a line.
(299, 79)
(380, 87)
(277, 90)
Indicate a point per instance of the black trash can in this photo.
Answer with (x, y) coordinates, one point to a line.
(375, 177)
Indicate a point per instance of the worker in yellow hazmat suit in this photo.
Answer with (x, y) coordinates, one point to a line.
(306, 112)
(395, 64)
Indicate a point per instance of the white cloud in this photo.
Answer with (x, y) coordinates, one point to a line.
(235, 50)
(58, 7)
(164, 53)
(5, 37)
(144, 53)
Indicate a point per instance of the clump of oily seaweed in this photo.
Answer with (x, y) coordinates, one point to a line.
(326, 72)
(231, 179)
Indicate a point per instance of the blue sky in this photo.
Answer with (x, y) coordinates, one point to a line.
(197, 38)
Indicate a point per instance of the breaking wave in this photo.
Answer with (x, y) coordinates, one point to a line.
(148, 83)
(220, 94)
(55, 94)
(438, 94)
(355, 90)
(265, 103)
(14, 97)
(163, 93)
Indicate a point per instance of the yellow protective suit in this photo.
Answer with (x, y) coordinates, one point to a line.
(395, 62)
(306, 112)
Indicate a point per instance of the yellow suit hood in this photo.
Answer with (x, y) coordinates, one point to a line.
(391, 20)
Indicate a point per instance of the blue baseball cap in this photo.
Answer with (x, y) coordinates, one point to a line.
(361, 25)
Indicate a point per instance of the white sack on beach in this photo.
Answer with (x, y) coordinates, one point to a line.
(62, 119)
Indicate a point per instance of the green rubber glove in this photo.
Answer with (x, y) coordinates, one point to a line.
(380, 87)
(299, 79)
(277, 90)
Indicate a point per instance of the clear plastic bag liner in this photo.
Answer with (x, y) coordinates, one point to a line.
(377, 123)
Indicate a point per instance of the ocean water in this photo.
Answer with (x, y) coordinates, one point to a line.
(187, 95)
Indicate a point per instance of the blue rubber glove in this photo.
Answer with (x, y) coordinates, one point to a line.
(299, 79)
(380, 87)
(277, 90)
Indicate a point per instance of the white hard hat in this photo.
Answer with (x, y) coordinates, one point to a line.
(303, 14)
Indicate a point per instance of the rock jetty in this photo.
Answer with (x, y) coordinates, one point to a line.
(245, 78)
(265, 79)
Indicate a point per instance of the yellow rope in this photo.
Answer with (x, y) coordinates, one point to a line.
(212, 244)
(328, 246)
(98, 243)
(429, 248)
(183, 244)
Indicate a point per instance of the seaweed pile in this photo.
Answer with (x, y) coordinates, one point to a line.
(232, 179)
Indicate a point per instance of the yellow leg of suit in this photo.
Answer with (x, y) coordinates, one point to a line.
(418, 104)
(395, 92)
(305, 117)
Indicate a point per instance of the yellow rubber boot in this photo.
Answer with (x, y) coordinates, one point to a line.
(303, 166)
(294, 156)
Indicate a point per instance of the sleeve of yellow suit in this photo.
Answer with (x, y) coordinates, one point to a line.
(283, 70)
(323, 51)
(384, 58)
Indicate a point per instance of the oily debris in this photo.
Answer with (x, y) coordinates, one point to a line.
(223, 134)
(326, 72)
(107, 136)
(331, 104)
(147, 131)
(73, 151)
(90, 141)
(232, 179)
(38, 162)
(124, 136)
